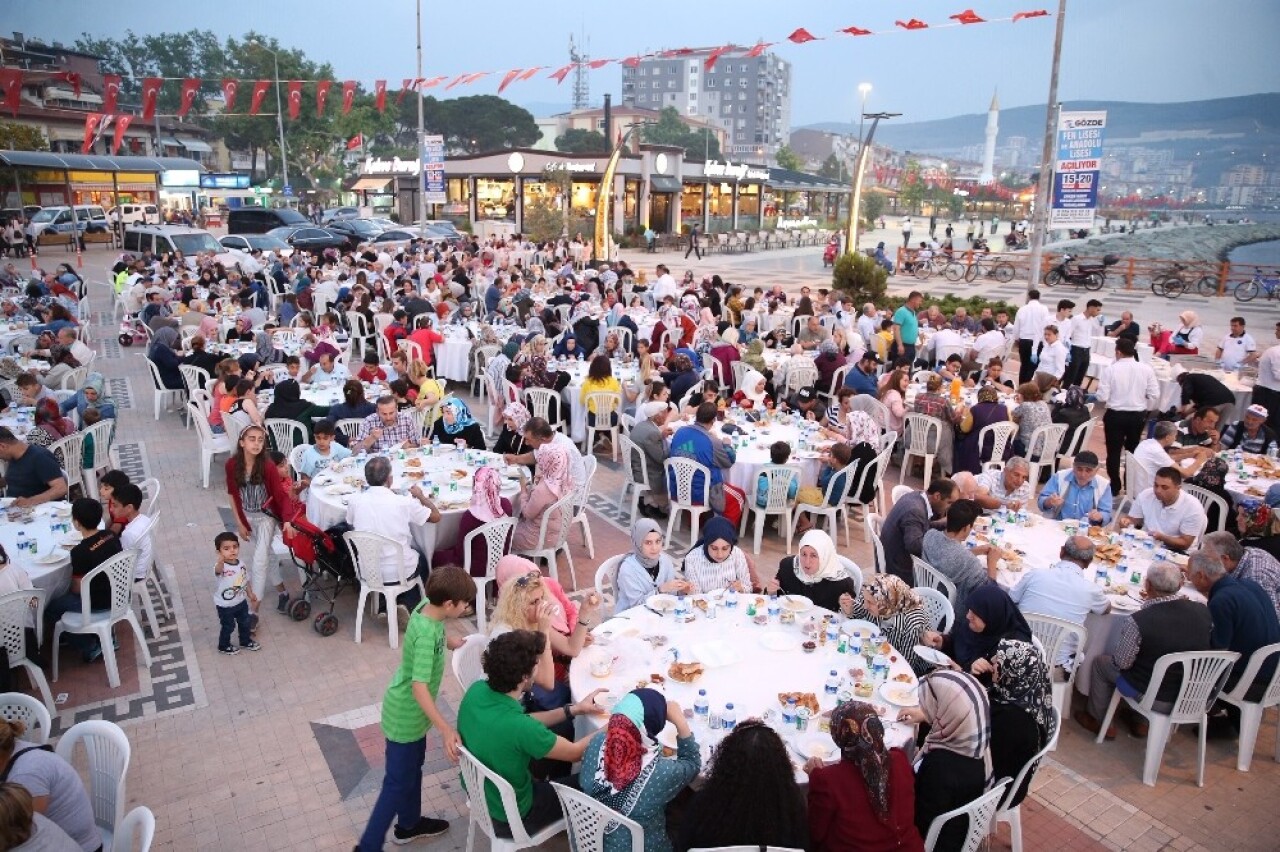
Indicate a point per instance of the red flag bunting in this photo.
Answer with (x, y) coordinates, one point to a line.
(456, 80)
(529, 74)
(560, 73)
(856, 31)
(11, 85)
(229, 90)
(348, 96)
(295, 98)
(150, 91)
(679, 51)
(968, 16)
(423, 83)
(597, 64)
(760, 48)
(259, 92)
(70, 77)
(1021, 16)
(913, 24)
(380, 94)
(355, 142)
(801, 35)
(714, 55)
(91, 124)
(122, 124)
(322, 95)
(631, 61)
(508, 78)
(110, 92)
(190, 88)
(404, 90)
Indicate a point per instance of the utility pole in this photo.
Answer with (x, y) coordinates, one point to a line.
(284, 160)
(419, 205)
(1040, 222)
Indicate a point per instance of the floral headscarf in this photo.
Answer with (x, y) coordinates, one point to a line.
(988, 393)
(486, 496)
(862, 429)
(859, 733)
(1022, 680)
(1213, 474)
(518, 414)
(1257, 518)
(892, 595)
(959, 715)
(461, 416)
(629, 753)
(553, 468)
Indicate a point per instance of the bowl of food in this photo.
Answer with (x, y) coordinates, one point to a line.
(863, 689)
(809, 646)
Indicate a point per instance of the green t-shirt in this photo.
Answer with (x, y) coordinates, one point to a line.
(494, 728)
(906, 318)
(423, 662)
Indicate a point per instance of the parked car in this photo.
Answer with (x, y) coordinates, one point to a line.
(443, 226)
(59, 219)
(361, 230)
(260, 220)
(134, 214)
(335, 213)
(168, 239)
(312, 239)
(256, 242)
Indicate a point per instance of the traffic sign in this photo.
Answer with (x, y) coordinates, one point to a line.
(288, 189)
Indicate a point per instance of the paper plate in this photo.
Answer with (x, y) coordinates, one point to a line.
(776, 641)
(50, 558)
(815, 745)
(661, 603)
(932, 655)
(899, 694)
(860, 626)
(796, 603)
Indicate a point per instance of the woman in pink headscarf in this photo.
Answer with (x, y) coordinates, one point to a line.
(487, 505)
(551, 482)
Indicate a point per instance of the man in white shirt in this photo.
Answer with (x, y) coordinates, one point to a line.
(1129, 389)
(665, 285)
(1170, 516)
(1153, 453)
(1266, 391)
(1028, 327)
(79, 351)
(1079, 337)
(1007, 489)
(1063, 591)
(326, 370)
(1053, 360)
(944, 342)
(380, 510)
(868, 322)
(1238, 348)
(989, 344)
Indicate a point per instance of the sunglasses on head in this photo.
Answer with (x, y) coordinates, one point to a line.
(531, 577)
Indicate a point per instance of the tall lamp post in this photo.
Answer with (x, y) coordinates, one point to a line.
(1040, 223)
(855, 203)
(864, 89)
(275, 61)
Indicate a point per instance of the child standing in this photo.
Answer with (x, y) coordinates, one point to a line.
(232, 595)
(409, 711)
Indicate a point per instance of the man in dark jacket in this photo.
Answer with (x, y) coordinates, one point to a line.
(902, 535)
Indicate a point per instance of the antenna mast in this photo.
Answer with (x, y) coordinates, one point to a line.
(581, 84)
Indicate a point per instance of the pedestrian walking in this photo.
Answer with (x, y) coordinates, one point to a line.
(693, 243)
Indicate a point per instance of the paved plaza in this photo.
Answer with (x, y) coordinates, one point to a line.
(281, 749)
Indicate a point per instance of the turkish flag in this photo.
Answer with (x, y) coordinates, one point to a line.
(322, 95)
(150, 91)
(760, 48)
(190, 88)
(457, 80)
(508, 77)
(122, 124)
(424, 83)
(70, 77)
(856, 31)
(559, 74)
(968, 16)
(597, 64)
(91, 123)
(529, 74)
(348, 95)
(801, 35)
(229, 89)
(631, 61)
(404, 89)
(110, 92)
(715, 54)
(380, 94)
(913, 24)
(259, 92)
(1041, 13)
(355, 142)
(295, 98)
(11, 85)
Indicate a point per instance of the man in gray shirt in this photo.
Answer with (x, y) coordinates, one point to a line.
(947, 553)
(648, 436)
(812, 335)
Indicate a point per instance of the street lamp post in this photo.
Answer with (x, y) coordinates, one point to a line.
(855, 203)
(1040, 224)
(284, 167)
(864, 89)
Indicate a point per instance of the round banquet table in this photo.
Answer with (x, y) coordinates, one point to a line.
(1171, 391)
(323, 393)
(751, 449)
(10, 332)
(50, 566)
(740, 668)
(453, 356)
(781, 318)
(330, 492)
(1251, 475)
(572, 393)
(18, 420)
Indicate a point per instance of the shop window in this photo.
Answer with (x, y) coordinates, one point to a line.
(582, 198)
(495, 199)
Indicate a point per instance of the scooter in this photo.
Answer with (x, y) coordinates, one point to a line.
(829, 253)
(132, 331)
(1091, 276)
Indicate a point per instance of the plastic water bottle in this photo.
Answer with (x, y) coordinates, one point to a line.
(855, 644)
(731, 599)
(729, 718)
(789, 712)
(435, 444)
(22, 542)
(701, 708)
(833, 683)
(880, 667)
(774, 607)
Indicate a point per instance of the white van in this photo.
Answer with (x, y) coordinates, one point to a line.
(134, 214)
(169, 239)
(59, 219)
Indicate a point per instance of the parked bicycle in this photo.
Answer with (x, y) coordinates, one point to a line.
(1001, 270)
(1178, 279)
(1260, 283)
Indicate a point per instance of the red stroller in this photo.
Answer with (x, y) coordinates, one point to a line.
(325, 566)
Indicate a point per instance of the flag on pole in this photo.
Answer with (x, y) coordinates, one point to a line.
(229, 89)
(259, 93)
(190, 88)
(110, 92)
(150, 91)
(348, 95)
(355, 142)
(122, 124)
(295, 98)
(70, 77)
(380, 94)
(322, 95)
(92, 122)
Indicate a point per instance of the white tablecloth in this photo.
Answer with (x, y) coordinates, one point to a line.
(19, 421)
(323, 393)
(1171, 391)
(1261, 472)
(572, 393)
(752, 451)
(50, 567)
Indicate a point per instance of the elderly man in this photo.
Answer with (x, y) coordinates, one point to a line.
(812, 335)
(1078, 494)
(1251, 434)
(649, 435)
(904, 527)
(1063, 591)
(387, 429)
(1006, 489)
(1153, 453)
(326, 369)
(380, 510)
(1247, 563)
(987, 345)
(868, 322)
(1169, 515)
(1166, 624)
(1124, 327)
(81, 352)
(964, 323)
(1198, 430)
(33, 475)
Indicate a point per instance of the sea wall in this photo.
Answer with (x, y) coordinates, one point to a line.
(1196, 242)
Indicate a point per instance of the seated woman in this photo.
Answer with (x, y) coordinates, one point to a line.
(749, 796)
(1021, 699)
(62, 362)
(163, 353)
(866, 800)
(647, 570)
(716, 561)
(888, 602)
(680, 377)
(487, 505)
(552, 482)
(24, 829)
(1031, 414)
(988, 411)
(457, 424)
(511, 439)
(992, 615)
(1259, 525)
(1212, 477)
(955, 760)
(933, 403)
(92, 394)
(815, 574)
(288, 404)
(600, 379)
(246, 402)
(567, 347)
(626, 771)
(353, 406)
(828, 360)
(50, 425)
(752, 396)
(1185, 341)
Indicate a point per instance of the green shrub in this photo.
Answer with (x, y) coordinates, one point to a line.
(972, 304)
(859, 277)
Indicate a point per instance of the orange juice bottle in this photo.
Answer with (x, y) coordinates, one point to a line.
(955, 390)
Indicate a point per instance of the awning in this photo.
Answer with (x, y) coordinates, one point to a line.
(195, 144)
(370, 184)
(170, 142)
(94, 162)
(663, 183)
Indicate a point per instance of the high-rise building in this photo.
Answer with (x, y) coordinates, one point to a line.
(750, 97)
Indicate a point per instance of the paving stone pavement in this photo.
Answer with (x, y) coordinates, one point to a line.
(281, 750)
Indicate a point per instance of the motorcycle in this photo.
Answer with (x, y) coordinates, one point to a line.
(1091, 276)
(829, 253)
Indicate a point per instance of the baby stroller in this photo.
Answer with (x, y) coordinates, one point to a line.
(325, 567)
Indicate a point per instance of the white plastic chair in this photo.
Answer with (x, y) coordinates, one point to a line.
(20, 707)
(1055, 634)
(119, 571)
(1001, 434)
(834, 504)
(102, 433)
(150, 488)
(359, 328)
(608, 405)
(874, 408)
(374, 548)
(607, 580)
(1013, 815)
(588, 819)
(1207, 499)
(475, 777)
(801, 377)
(940, 611)
(139, 823)
(295, 458)
(497, 537)
(69, 452)
(350, 426)
(633, 459)
(286, 434)
(854, 573)
(195, 378)
(928, 577)
(540, 401)
(872, 523)
(163, 396)
(682, 472)
(154, 578)
(740, 369)
(465, 662)
(107, 748)
(1250, 711)
(580, 519)
(552, 541)
(15, 610)
(979, 813)
(210, 444)
(1203, 673)
(923, 434)
(480, 361)
(1136, 477)
(777, 502)
(1079, 441)
(1042, 450)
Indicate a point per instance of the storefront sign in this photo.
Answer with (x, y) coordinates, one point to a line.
(714, 168)
(433, 170)
(571, 167)
(806, 222)
(1077, 169)
(394, 166)
(224, 180)
(180, 177)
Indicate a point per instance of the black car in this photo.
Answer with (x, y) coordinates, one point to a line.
(309, 238)
(358, 229)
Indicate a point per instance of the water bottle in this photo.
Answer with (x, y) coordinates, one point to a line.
(855, 644)
(435, 445)
(880, 667)
(789, 711)
(833, 683)
(833, 632)
(774, 607)
(731, 599)
(22, 542)
(1103, 577)
(701, 708)
(728, 718)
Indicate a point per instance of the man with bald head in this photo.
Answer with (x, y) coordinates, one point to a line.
(81, 352)
(1063, 591)
(1124, 327)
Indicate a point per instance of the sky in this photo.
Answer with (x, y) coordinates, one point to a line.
(1129, 50)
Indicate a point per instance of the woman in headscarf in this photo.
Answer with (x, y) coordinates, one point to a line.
(496, 369)
(210, 328)
(747, 333)
(680, 377)
(725, 351)
(1185, 341)
(866, 800)
(511, 439)
(754, 357)
(62, 362)
(552, 482)
(816, 573)
(828, 361)
(987, 411)
(887, 601)
(708, 331)
(955, 762)
(1074, 412)
(487, 505)
(92, 394)
(163, 353)
(1212, 477)
(567, 347)
(287, 404)
(457, 424)
(50, 425)
(646, 570)
(992, 615)
(1021, 699)
(625, 769)
(1259, 524)
(265, 348)
(716, 561)
(753, 394)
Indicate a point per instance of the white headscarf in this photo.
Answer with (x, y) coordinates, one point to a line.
(829, 567)
(750, 381)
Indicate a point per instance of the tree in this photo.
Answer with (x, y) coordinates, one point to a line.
(859, 277)
(872, 206)
(577, 141)
(833, 167)
(479, 123)
(788, 159)
(670, 129)
(21, 137)
(911, 191)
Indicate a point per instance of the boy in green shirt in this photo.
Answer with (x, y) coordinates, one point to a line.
(409, 711)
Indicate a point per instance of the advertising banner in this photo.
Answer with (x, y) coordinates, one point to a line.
(433, 169)
(1077, 169)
